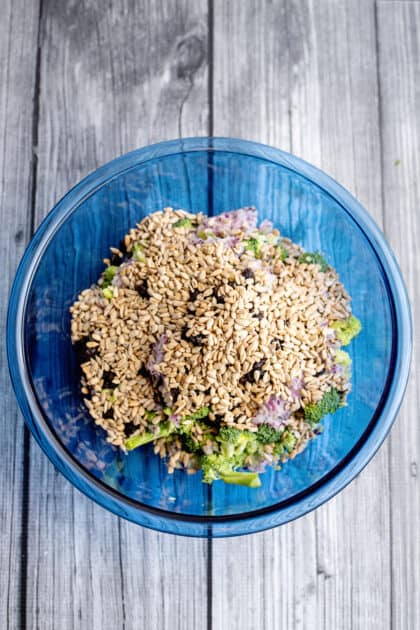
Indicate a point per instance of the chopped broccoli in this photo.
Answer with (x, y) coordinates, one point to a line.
(138, 252)
(108, 293)
(288, 441)
(346, 329)
(204, 235)
(329, 403)
(229, 434)
(108, 275)
(242, 478)
(343, 359)
(192, 441)
(267, 434)
(314, 258)
(253, 245)
(271, 239)
(144, 438)
(283, 252)
(216, 466)
(201, 413)
(191, 445)
(181, 223)
(235, 446)
(109, 394)
(149, 414)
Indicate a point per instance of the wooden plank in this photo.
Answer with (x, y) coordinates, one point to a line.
(399, 71)
(18, 44)
(331, 568)
(353, 537)
(112, 78)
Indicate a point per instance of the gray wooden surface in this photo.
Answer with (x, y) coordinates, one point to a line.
(335, 82)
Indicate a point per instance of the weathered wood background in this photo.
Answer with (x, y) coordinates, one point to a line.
(336, 82)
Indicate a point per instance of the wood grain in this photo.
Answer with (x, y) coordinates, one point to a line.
(18, 45)
(330, 569)
(112, 77)
(334, 81)
(399, 71)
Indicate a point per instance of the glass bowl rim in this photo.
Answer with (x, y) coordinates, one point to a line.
(316, 494)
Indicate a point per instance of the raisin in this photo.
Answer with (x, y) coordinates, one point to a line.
(279, 343)
(144, 372)
(122, 246)
(248, 274)
(195, 340)
(193, 294)
(143, 289)
(158, 398)
(115, 260)
(129, 428)
(258, 365)
(83, 352)
(219, 298)
(108, 415)
(108, 378)
(174, 394)
(249, 377)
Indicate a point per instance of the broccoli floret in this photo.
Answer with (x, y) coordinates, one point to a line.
(218, 467)
(253, 245)
(283, 252)
(108, 275)
(191, 444)
(346, 329)
(108, 293)
(138, 252)
(235, 446)
(288, 441)
(329, 403)
(343, 359)
(238, 445)
(267, 434)
(314, 258)
(229, 434)
(201, 413)
(144, 438)
(192, 441)
(181, 223)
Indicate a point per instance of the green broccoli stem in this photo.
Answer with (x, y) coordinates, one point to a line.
(249, 479)
(145, 438)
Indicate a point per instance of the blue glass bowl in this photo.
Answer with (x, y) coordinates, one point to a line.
(211, 175)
